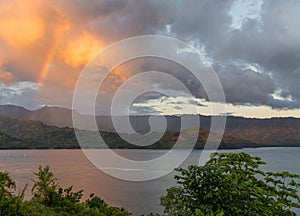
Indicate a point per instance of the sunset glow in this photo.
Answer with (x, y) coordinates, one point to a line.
(48, 43)
(20, 24)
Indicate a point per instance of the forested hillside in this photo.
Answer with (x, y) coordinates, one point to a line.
(27, 134)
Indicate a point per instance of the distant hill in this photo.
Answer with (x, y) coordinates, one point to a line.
(34, 135)
(274, 131)
(263, 132)
(9, 142)
(55, 116)
(29, 134)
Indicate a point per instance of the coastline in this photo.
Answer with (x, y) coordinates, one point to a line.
(256, 146)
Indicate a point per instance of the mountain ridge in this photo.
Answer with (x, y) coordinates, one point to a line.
(276, 131)
(30, 134)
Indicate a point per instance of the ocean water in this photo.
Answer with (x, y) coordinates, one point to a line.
(71, 167)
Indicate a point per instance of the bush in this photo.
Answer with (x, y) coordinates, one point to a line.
(50, 199)
(232, 184)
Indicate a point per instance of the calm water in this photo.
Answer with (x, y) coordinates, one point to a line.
(72, 168)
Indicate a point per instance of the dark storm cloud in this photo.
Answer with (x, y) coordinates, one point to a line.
(245, 86)
(93, 8)
(134, 18)
(205, 21)
(271, 42)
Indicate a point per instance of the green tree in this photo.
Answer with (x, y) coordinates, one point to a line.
(55, 200)
(50, 199)
(232, 184)
(10, 202)
(45, 186)
(7, 185)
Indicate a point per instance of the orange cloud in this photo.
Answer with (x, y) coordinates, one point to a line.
(79, 51)
(5, 76)
(19, 24)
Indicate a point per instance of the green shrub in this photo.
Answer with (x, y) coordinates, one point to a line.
(50, 199)
(232, 184)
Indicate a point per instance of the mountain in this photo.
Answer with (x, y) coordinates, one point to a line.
(29, 134)
(263, 132)
(274, 131)
(56, 116)
(14, 111)
(62, 117)
(9, 142)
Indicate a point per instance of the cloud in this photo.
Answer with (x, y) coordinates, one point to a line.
(207, 22)
(245, 86)
(19, 93)
(60, 37)
(196, 102)
(273, 43)
(143, 110)
(5, 76)
(19, 27)
(79, 51)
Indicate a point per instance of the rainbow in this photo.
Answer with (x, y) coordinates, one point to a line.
(58, 35)
(44, 70)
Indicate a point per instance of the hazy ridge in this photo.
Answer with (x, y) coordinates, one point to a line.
(51, 127)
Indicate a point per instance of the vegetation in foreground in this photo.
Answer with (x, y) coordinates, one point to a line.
(232, 184)
(228, 184)
(50, 199)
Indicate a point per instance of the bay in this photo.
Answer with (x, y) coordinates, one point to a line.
(71, 167)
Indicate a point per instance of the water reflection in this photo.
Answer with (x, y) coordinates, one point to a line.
(72, 168)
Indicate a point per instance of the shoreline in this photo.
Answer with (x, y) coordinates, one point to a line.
(222, 148)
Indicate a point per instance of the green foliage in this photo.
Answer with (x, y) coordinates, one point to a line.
(50, 199)
(9, 203)
(232, 184)
(7, 185)
(27, 134)
(45, 186)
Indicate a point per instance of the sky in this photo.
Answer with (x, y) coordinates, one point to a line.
(253, 46)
